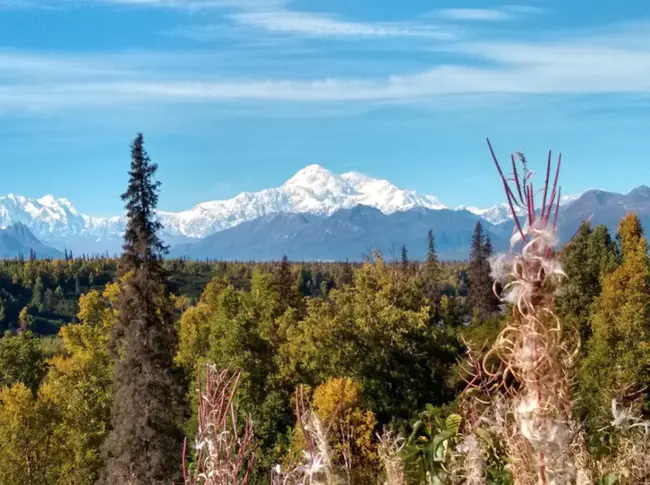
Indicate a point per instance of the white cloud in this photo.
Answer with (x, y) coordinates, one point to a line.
(325, 25)
(477, 14)
(498, 14)
(192, 5)
(599, 64)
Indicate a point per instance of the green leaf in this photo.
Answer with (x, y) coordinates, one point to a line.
(485, 436)
(610, 479)
(452, 423)
(439, 441)
(416, 428)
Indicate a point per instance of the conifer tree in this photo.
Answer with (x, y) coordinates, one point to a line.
(432, 256)
(347, 275)
(619, 350)
(38, 293)
(431, 274)
(285, 284)
(481, 293)
(404, 259)
(144, 443)
(589, 255)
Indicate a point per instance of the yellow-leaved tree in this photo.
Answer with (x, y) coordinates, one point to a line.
(618, 359)
(78, 387)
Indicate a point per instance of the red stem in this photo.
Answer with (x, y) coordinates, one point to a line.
(548, 173)
(509, 194)
(517, 182)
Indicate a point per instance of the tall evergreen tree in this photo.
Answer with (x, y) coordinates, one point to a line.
(430, 276)
(432, 256)
(404, 259)
(347, 275)
(38, 293)
(286, 285)
(143, 445)
(481, 294)
(590, 255)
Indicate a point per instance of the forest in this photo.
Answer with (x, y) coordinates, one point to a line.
(524, 368)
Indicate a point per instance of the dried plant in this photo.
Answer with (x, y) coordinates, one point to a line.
(533, 351)
(315, 467)
(224, 456)
(629, 460)
(390, 449)
(476, 403)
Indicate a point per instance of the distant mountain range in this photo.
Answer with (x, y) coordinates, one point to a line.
(353, 233)
(18, 239)
(314, 215)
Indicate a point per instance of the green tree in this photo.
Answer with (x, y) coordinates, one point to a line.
(143, 445)
(430, 276)
(37, 294)
(286, 285)
(586, 259)
(347, 275)
(24, 320)
(404, 259)
(26, 438)
(618, 358)
(385, 319)
(481, 294)
(21, 360)
(78, 388)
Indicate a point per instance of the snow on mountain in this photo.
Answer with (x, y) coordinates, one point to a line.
(313, 189)
(501, 212)
(54, 220)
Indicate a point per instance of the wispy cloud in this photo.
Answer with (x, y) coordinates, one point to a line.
(326, 25)
(190, 5)
(498, 14)
(614, 62)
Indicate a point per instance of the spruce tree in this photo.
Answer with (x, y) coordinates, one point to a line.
(590, 255)
(346, 276)
(285, 284)
(143, 446)
(430, 276)
(481, 294)
(404, 259)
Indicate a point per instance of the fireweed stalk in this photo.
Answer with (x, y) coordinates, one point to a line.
(534, 353)
(224, 454)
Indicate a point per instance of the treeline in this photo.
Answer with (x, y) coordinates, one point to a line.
(49, 290)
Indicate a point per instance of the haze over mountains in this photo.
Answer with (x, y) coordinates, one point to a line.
(314, 215)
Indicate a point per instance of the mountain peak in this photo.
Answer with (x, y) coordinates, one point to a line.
(642, 191)
(310, 176)
(357, 179)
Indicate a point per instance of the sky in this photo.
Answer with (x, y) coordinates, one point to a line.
(238, 95)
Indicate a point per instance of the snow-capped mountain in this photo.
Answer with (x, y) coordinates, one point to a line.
(500, 213)
(312, 190)
(49, 217)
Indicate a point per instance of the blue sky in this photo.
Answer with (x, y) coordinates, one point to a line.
(237, 95)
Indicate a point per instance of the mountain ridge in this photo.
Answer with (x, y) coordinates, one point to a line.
(312, 190)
